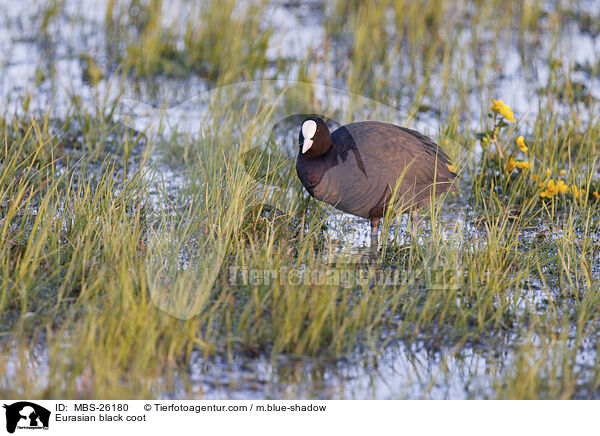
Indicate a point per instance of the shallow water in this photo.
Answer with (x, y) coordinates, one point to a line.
(396, 373)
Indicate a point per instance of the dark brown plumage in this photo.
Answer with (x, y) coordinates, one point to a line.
(356, 167)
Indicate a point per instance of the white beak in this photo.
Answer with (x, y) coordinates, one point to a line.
(307, 144)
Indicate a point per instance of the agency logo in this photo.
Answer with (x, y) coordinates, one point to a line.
(26, 415)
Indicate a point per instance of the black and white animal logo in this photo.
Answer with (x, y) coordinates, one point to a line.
(26, 415)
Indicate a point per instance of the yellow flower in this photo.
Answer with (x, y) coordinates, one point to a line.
(548, 172)
(596, 195)
(553, 188)
(497, 105)
(547, 193)
(500, 107)
(521, 144)
(563, 173)
(510, 166)
(534, 178)
(522, 165)
(508, 115)
(452, 168)
(575, 192)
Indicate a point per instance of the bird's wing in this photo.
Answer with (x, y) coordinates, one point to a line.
(403, 153)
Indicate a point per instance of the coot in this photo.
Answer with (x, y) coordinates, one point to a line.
(356, 167)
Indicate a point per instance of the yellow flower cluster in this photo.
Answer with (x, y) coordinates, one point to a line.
(575, 192)
(553, 189)
(521, 144)
(550, 187)
(520, 164)
(503, 109)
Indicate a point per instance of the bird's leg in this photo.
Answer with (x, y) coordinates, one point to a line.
(415, 220)
(374, 231)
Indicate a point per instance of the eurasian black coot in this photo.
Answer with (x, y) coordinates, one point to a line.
(356, 167)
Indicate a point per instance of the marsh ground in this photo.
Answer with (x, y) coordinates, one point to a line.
(147, 184)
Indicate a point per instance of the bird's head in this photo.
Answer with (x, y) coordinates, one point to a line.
(314, 138)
